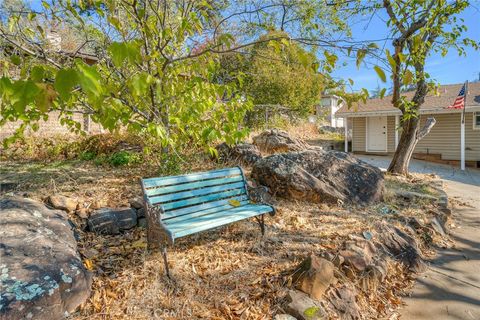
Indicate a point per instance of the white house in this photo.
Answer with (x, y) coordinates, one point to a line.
(328, 107)
(376, 126)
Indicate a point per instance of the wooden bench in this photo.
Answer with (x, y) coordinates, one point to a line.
(178, 206)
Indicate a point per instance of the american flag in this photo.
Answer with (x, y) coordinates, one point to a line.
(460, 100)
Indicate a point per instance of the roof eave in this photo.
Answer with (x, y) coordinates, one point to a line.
(398, 112)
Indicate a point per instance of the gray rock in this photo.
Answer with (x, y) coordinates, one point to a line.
(437, 226)
(62, 202)
(402, 247)
(41, 273)
(259, 194)
(6, 187)
(313, 276)
(330, 129)
(358, 254)
(142, 223)
(141, 213)
(344, 302)
(136, 203)
(244, 153)
(320, 176)
(277, 141)
(372, 277)
(112, 220)
(302, 307)
(412, 195)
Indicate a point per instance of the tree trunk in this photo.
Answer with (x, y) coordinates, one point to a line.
(406, 145)
(409, 137)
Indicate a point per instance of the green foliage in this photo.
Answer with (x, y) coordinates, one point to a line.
(154, 85)
(170, 164)
(380, 73)
(123, 158)
(87, 155)
(272, 72)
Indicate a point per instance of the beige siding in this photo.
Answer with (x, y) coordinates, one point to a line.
(391, 133)
(358, 134)
(444, 138)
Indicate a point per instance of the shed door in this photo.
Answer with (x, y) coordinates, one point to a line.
(377, 134)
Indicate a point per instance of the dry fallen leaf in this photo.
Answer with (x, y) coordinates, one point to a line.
(139, 244)
(88, 264)
(234, 203)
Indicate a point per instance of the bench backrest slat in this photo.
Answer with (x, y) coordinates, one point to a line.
(192, 185)
(189, 194)
(197, 214)
(203, 206)
(202, 199)
(172, 180)
(196, 192)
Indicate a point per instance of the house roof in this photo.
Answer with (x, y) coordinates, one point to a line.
(446, 96)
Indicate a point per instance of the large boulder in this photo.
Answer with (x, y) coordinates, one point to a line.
(277, 141)
(245, 153)
(320, 176)
(41, 273)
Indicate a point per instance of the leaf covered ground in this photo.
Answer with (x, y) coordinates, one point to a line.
(228, 273)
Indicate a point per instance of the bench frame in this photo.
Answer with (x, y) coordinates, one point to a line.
(158, 235)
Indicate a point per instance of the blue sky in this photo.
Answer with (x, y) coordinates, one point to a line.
(446, 70)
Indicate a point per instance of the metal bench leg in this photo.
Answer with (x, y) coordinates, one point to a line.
(261, 222)
(164, 254)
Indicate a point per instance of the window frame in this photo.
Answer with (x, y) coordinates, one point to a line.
(475, 125)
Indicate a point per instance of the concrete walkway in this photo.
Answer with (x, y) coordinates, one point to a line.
(450, 289)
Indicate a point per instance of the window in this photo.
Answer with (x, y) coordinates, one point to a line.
(476, 121)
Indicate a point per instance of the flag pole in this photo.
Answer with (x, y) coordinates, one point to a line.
(462, 130)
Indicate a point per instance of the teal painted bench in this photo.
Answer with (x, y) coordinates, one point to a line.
(178, 206)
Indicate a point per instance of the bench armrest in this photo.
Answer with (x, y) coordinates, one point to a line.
(261, 195)
(156, 230)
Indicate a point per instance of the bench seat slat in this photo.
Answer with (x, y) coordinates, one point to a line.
(200, 207)
(184, 217)
(164, 181)
(202, 199)
(210, 221)
(197, 192)
(192, 185)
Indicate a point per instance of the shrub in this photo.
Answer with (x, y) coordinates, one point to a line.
(122, 158)
(87, 155)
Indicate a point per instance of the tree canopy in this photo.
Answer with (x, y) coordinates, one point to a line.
(155, 63)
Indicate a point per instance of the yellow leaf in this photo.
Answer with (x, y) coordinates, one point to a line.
(88, 264)
(234, 203)
(140, 244)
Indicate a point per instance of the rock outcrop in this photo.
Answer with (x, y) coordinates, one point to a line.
(320, 176)
(277, 141)
(41, 273)
(245, 153)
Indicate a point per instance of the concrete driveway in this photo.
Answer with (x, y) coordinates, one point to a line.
(450, 289)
